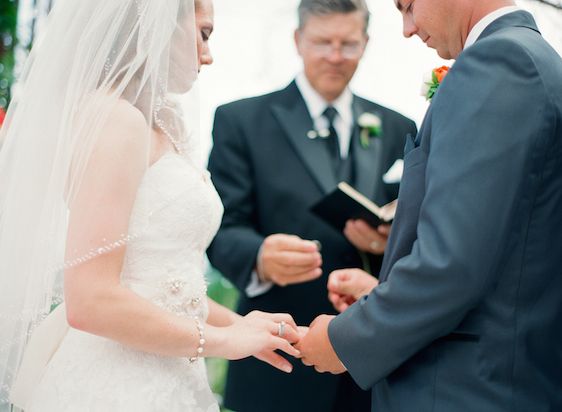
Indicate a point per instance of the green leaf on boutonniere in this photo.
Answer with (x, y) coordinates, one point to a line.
(371, 126)
(432, 81)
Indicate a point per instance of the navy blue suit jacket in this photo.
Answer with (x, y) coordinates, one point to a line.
(468, 316)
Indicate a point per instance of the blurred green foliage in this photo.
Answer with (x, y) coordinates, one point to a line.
(223, 292)
(8, 24)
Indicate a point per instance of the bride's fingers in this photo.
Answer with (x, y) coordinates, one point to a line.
(291, 335)
(281, 317)
(275, 360)
(288, 332)
(285, 346)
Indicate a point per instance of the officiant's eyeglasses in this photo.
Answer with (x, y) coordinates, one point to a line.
(348, 50)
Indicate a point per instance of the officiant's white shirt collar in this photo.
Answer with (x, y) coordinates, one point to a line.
(316, 105)
(479, 27)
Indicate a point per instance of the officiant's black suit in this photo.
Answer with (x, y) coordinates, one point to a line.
(268, 173)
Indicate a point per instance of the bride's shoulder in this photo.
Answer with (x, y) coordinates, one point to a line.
(124, 128)
(126, 124)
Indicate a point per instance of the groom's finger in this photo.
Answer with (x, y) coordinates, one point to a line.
(339, 302)
(335, 298)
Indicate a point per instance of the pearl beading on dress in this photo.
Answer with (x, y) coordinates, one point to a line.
(172, 295)
(124, 239)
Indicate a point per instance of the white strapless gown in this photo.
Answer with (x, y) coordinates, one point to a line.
(164, 264)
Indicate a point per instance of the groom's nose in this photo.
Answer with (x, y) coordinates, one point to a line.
(409, 28)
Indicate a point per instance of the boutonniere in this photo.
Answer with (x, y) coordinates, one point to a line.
(2, 115)
(371, 126)
(432, 81)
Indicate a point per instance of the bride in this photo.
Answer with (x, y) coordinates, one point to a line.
(104, 207)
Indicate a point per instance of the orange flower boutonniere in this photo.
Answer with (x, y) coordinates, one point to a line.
(432, 81)
(2, 115)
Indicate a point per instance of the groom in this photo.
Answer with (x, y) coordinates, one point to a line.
(468, 315)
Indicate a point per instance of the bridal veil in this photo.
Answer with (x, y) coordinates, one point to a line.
(59, 204)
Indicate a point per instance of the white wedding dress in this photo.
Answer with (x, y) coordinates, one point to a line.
(180, 212)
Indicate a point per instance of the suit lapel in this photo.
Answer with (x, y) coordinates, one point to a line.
(367, 160)
(296, 123)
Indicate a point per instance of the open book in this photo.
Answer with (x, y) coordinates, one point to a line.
(346, 203)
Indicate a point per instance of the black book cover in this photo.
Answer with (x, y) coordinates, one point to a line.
(345, 203)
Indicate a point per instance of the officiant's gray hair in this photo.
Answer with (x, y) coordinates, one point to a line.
(309, 8)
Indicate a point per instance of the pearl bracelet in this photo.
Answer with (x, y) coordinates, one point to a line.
(201, 340)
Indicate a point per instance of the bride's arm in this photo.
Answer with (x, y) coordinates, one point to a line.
(97, 303)
(220, 315)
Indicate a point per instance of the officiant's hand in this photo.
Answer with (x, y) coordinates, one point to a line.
(316, 349)
(346, 286)
(365, 237)
(288, 259)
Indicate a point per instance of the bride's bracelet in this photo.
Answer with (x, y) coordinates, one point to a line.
(201, 340)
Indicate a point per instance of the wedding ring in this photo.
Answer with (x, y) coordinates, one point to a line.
(375, 246)
(281, 328)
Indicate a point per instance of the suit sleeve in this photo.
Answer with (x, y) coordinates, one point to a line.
(483, 141)
(234, 250)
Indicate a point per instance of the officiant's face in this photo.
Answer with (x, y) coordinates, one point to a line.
(331, 47)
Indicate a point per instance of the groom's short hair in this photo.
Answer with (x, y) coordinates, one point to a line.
(309, 8)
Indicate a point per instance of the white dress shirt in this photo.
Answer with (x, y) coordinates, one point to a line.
(485, 22)
(343, 123)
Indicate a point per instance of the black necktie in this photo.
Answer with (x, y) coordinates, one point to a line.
(333, 140)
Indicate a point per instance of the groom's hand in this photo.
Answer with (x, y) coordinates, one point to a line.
(316, 349)
(346, 286)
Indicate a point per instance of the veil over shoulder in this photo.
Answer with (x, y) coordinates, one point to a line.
(77, 139)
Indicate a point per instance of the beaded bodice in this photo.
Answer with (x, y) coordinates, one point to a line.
(176, 214)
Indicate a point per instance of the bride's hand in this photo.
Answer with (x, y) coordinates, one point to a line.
(256, 334)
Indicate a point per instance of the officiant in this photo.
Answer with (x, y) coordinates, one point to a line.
(273, 157)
